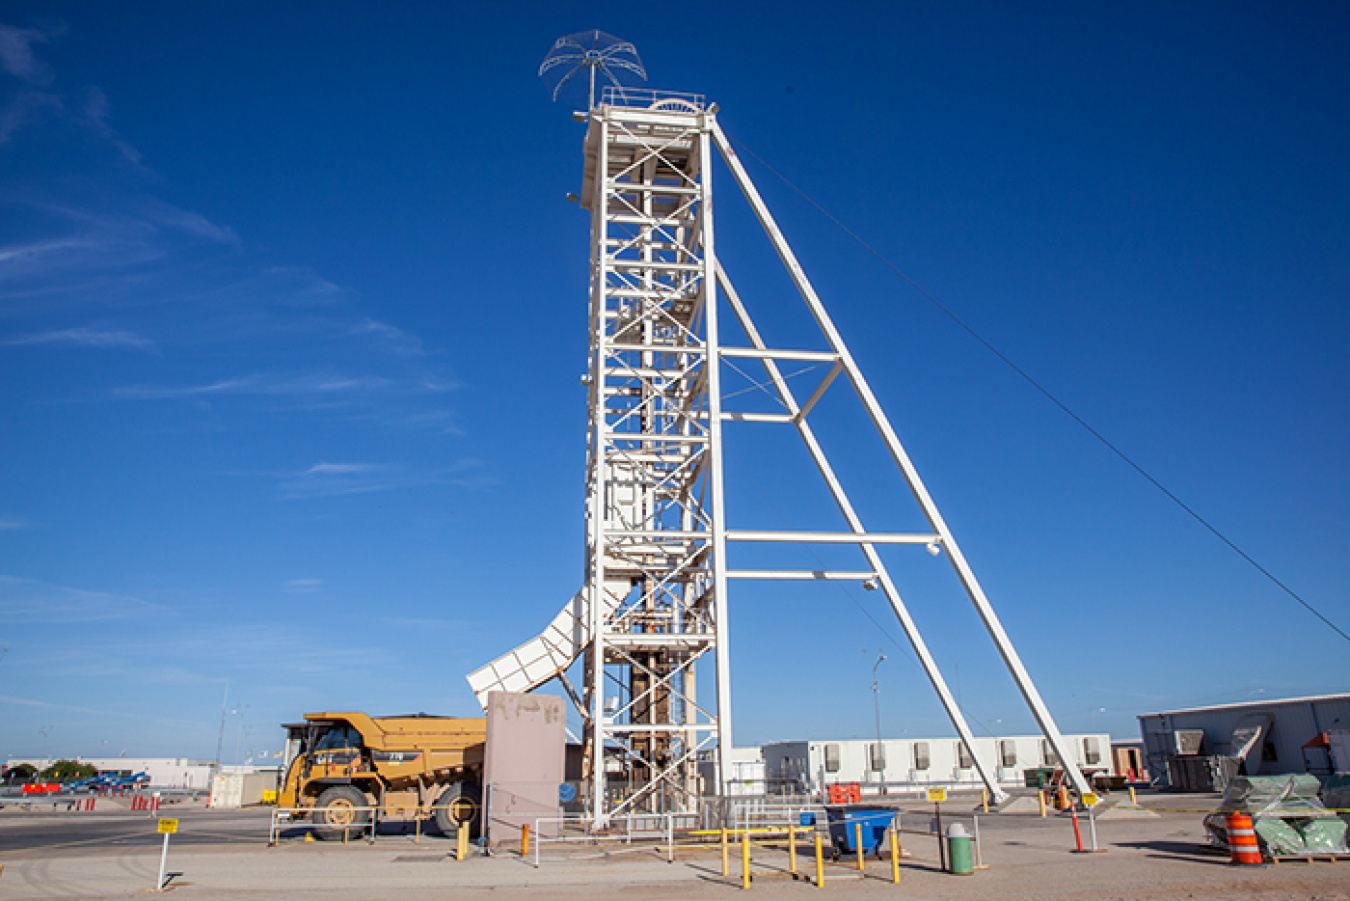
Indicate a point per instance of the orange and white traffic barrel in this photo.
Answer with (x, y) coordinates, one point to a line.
(1242, 845)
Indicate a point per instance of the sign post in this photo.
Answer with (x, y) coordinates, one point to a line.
(167, 827)
(937, 796)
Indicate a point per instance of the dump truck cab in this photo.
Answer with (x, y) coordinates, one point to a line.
(345, 768)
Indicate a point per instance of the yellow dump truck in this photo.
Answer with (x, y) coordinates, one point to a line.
(344, 766)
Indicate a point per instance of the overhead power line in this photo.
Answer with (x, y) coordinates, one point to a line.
(1048, 394)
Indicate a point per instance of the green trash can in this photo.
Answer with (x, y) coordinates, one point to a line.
(958, 851)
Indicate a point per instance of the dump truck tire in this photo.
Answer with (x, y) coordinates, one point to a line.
(342, 814)
(457, 806)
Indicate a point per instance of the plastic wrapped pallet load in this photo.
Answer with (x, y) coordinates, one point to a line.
(1289, 818)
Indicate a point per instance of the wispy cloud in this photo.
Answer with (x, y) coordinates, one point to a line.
(12, 525)
(83, 337)
(23, 109)
(95, 115)
(399, 341)
(310, 385)
(32, 601)
(328, 469)
(17, 57)
(339, 479)
(303, 586)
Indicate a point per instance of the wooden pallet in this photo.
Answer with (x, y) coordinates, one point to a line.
(1329, 858)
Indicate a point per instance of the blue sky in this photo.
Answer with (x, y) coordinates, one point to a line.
(292, 315)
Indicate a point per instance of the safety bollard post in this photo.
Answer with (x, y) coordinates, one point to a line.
(792, 850)
(745, 857)
(525, 840)
(462, 842)
(1040, 797)
(1063, 797)
(726, 863)
(895, 857)
(984, 800)
(820, 864)
(1133, 801)
(857, 835)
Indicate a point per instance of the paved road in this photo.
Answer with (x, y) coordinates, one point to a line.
(82, 833)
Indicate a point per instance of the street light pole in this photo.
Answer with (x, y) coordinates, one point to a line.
(220, 739)
(879, 756)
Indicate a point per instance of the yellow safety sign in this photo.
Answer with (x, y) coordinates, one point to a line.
(168, 825)
(1089, 799)
(937, 795)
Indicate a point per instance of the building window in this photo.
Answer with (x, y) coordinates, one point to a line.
(1007, 750)
(963, 756)
(921, 755)
(877, 757)
(1091, 753)
(1048, 755)
(831, 758)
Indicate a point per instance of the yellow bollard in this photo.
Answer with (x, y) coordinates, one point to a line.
(726, 862)
(1040, 797)
(462, 842)
(792, 851)
(745, 858)
(857, 835)
(984, 799)
(895, 858)
(525, 840)
(1063, 798)
(417, 838)
(820, 864)
(1133, 801)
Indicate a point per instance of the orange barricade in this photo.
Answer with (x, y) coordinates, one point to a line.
(845, 793)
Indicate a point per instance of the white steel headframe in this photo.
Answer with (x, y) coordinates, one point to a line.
(655, 599)
(656, 576)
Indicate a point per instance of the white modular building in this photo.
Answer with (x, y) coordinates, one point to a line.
(806, 766)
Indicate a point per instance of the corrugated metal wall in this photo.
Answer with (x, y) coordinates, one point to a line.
(1295, 721)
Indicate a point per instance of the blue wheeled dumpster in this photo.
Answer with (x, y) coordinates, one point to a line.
(844, 820)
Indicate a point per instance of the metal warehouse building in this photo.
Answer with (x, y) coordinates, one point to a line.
(1264, 737)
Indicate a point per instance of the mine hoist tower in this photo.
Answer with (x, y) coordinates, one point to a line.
(654, 603)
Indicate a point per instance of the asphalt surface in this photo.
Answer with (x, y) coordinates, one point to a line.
(223, 854)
